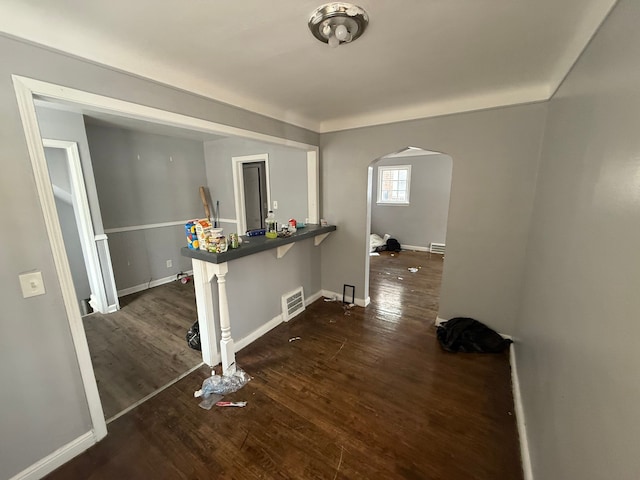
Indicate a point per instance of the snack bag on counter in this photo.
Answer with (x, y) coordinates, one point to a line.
(203, 232)
(192, 237)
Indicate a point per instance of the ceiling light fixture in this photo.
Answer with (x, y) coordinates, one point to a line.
(338, 22)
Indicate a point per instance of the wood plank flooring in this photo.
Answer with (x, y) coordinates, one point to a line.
(141, 347)
(364, 394)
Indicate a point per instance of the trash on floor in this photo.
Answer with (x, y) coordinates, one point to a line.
(400, 278)
(231, 404)
(469, 335)
(193, 336)
(293, 339)
(413, 269)
(223, 384)
(210, 401)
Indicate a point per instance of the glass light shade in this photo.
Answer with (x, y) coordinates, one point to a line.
(342, 33)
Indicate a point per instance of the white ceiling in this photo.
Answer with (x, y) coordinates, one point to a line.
(418, 58)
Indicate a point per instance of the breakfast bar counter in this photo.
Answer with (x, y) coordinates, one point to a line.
(207, 265)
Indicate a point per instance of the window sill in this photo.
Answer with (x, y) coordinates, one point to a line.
(393, 204)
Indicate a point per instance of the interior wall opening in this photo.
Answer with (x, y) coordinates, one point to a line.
(93, 117)
(407, 210)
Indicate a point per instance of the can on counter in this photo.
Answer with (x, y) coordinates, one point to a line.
(233, 240)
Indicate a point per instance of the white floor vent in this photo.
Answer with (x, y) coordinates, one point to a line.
(437, 248)
(292, 304)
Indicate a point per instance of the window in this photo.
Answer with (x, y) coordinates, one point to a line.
(393, 184)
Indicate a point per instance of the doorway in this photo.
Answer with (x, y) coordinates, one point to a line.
(27, 90)
(252, 192)
(255, 194)
(408, 200)
(67, 181)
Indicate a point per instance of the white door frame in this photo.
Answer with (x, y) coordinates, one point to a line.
(238, 186)
(26, 88)
(84, 223)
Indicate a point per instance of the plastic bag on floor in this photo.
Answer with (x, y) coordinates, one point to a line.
(223, 384)
(193, 336)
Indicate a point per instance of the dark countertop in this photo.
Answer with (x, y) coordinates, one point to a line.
(251, 245)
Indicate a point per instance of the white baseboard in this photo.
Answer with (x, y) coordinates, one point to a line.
(270, 325)
(112, 308)
(415, 247)
(519, 409)
(312, 298)
(527, 469)
(258, 332)
(361, 302)
(151, 284)
(61, 456)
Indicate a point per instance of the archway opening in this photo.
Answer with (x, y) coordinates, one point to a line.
(408, 196)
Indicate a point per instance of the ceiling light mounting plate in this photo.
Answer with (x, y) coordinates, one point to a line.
(327, 18)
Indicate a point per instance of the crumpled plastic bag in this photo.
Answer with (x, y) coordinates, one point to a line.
(223, 384)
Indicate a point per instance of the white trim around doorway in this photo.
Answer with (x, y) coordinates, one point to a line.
(238, 186)
(26, 89)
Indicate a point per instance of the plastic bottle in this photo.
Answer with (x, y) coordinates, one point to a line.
(271, 225)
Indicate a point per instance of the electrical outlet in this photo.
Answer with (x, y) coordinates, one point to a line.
(275, 204)
(169, 264)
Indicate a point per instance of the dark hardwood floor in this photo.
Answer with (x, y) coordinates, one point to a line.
(364, 394)
(141, 347)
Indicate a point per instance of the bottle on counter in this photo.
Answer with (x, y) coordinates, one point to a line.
(270, 222)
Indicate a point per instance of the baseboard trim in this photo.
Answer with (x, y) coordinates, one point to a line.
(361, 302)
(312, 298)
(148, 285)
(154, 393)
(527, 469)
(61, 456)
(521, 423)
(270, 325)
(415, 247)
(258, 332)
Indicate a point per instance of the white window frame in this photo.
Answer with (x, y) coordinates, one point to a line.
(383, 168)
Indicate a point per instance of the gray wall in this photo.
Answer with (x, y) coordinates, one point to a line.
(495, 157)
(44, 408)
(255, 285)
(57, 164)
(424, 220)
(63, 125)
(143, 178)
(287, 175)
(577, 335)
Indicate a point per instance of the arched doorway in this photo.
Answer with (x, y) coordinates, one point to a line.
(407, 200)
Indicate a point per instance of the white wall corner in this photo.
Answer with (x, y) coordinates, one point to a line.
(527, 469)
(58, 458)
(440, 321)
(360, 302)
(312, 298)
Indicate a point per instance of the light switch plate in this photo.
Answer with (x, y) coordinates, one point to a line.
(31, 284)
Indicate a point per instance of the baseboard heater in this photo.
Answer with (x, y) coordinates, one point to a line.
(292, 304)
(436, 248)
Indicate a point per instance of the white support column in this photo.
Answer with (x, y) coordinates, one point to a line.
(227, 351)
(202, 276)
